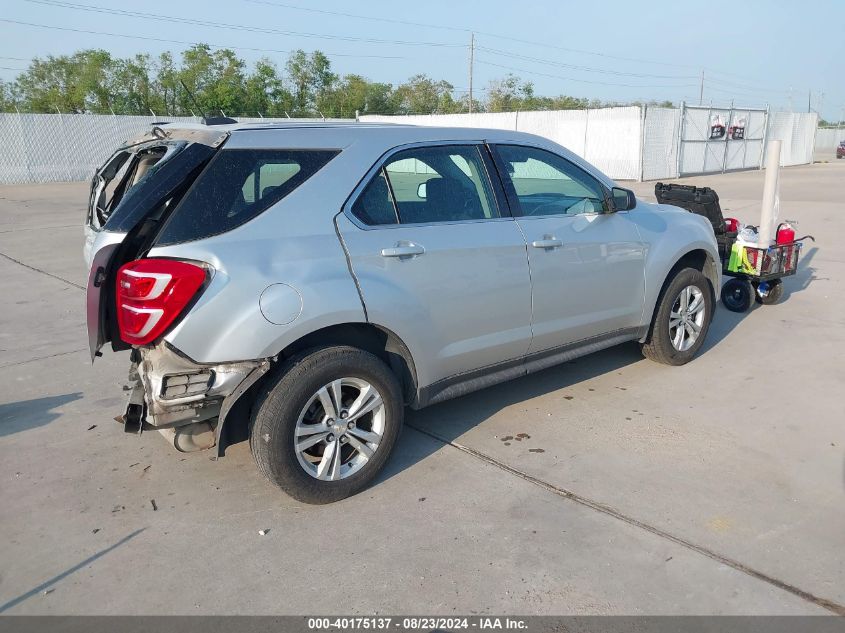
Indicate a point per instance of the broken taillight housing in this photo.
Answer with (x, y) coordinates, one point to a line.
(151, 294)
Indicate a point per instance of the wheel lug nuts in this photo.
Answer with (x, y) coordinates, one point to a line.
(344, 414)
(330, 438)
(351, 425)
(343, 439)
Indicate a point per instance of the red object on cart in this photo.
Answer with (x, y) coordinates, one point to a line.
(786, 234)
(731, 225)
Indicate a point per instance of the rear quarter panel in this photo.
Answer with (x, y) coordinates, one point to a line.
(292, 243)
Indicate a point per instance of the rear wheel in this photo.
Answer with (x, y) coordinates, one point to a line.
(681, 320)
(325, 429)
(769, 292)
(737, 294)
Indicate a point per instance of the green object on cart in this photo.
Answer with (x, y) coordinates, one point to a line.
(735, 259)
(738, 260)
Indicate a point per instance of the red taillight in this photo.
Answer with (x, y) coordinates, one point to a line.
(151, 293)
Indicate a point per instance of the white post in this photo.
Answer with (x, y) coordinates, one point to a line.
(768, 211)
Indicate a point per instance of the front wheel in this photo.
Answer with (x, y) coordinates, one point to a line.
(325, 429)
(681, 320)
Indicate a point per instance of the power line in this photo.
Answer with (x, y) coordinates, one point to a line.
(237, 27)
(586, 81)
(185, 43)
(549, 62)
(466, 30)
(359, 16)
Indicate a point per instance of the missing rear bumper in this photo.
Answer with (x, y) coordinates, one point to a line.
(182, 399)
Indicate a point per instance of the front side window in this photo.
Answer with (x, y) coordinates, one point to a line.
(548, 184)
(427, 185)
(237, 186)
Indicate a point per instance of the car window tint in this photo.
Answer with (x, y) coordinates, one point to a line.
(548, 184)
(238, 185)
(440, 184)
(374, 205)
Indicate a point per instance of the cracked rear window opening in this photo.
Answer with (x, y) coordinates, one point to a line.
(236, 186)
(120, 176)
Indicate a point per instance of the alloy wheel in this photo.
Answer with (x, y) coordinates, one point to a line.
(686, 318)
(339, 429)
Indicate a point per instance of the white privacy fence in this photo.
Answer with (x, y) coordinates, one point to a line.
(608, 138)
(797, 131)
(651, 143)
(827, 139)
(627, 143)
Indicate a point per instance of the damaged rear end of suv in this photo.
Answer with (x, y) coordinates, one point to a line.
(170, 186)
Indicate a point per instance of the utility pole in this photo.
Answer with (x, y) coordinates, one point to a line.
(471, 60)
(809, 100)
(701, 89)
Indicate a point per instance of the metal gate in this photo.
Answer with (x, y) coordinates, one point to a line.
(712, 139)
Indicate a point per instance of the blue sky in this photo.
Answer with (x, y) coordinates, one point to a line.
(752, 51)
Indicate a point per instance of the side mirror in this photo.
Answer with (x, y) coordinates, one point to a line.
(623, 199)
(421, 191)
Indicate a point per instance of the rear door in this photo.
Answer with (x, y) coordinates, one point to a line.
(130, 197)
(439, 260)
(587, 263)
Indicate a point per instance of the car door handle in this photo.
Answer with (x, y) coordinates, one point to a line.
(548, 241)
(403, 249)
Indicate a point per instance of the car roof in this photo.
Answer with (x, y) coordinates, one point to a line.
(377, 137)
(389, 132)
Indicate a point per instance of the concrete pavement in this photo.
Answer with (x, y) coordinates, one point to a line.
(716, 488)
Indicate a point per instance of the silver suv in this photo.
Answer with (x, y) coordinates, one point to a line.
(298, 285)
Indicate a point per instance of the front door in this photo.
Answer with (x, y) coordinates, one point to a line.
(439, 261)
(587, 264)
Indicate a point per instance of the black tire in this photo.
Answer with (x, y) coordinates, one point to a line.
(658, 346)
(737, 294)
(772, 294)
(283, 400)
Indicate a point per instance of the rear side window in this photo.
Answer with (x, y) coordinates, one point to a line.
(238, 185)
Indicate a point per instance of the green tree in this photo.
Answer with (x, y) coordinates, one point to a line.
(509, 94)
(265, 91)
(7, 97)
(135, 87)
(82, 82)
(311, 80)
(423, 95)
(216, 78)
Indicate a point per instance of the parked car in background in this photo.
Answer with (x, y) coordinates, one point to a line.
(298, 285)
(840, 149)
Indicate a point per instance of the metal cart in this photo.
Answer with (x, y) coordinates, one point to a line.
(756, 273)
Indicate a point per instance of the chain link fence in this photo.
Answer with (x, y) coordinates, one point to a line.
(65, 147)
(627, 143)
(714, 140)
